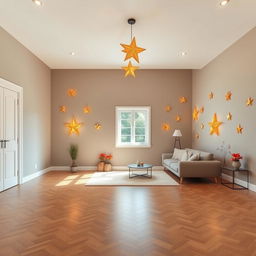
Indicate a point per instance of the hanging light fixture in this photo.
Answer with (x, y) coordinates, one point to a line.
(132, 51)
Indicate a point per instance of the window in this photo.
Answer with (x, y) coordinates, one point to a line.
(133, 126)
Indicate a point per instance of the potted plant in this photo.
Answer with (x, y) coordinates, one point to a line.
(236, 160)
(108, 166)
(101, 164)
(73, 151)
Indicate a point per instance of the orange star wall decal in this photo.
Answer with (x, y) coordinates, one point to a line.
(202, 110)
(98, 126)
(72, 92)
(178, 118)
(63, 109)
(130, 70)
(239, 129)
(228, 95)
(87, 109)
(229, 116)
(132, 50)
(215, 125)
(168, 108)
(166, 127)
(210, 95)
(183, 100)
(73, 127)
(249, 101)
(195, 114)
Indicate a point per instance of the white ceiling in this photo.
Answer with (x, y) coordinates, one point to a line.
(93, 29)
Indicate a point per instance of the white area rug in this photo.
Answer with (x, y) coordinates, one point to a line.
(116, 178)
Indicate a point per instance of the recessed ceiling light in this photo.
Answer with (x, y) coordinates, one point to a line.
(72, 53)
(224, 2)
(184, 53)
(37, 2)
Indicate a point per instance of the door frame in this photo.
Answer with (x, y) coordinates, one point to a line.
(16, 88)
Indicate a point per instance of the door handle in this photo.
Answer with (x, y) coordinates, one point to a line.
(1, 141)
(5, 143)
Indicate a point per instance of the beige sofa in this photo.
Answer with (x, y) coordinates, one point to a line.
(204, 166)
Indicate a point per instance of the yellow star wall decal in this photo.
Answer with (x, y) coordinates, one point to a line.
(229, 116)
(202, 110)
(63, 109)
(72, 92)
(130, 70)
(168, 108)
(178, 118)
(249, 101)
(132, 50)
(239, 129)
(98, 126)
(73, 127)
(210, 95)
(183, 100)
(166, 127)
(202, 126)
(215, 125)
(195, 114)
(87, 109)
(228, 95)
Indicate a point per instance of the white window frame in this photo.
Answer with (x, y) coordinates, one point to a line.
(133, 144)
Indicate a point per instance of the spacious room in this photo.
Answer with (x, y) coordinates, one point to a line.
(127, 128)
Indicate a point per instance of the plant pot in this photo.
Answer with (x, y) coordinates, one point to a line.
(74, 168)
(100, 166)
(107, 167)
(236, 165)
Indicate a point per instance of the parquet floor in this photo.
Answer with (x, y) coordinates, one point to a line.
(56, 215)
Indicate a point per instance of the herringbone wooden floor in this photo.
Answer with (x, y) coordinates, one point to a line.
(56, 215)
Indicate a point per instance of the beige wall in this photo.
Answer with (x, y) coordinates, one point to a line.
(21, 67)
(105, 89)
(235, 70)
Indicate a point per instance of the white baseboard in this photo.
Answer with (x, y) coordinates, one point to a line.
(35, 175)
(252, 187)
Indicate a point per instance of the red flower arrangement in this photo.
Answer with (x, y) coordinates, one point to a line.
(236, 157)
(105, 158)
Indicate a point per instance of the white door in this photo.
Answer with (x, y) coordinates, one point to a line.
(1, 138)
(9, 138)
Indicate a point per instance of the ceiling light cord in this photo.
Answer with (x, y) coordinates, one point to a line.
(131, 32)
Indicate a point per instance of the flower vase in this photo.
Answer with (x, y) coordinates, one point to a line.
(236, 164)
(107, 167)
(100, 166)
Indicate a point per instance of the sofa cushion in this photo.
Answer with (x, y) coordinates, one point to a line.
(179, 154)
(194, 157)
(203, 155)
(175, 167)
(168, 162)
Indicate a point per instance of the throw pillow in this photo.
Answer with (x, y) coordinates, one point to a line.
(194, 157)
(177, 154)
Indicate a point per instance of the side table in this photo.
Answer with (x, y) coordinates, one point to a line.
(233, 185)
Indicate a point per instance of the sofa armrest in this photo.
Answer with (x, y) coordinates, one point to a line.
(210, 168)
(166, 156)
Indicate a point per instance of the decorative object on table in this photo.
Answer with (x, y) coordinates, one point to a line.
(210, 96)
(229, 116)
(183, 100)
(228, 95)
(130, 69)
(87, 109)
(73, 127)
(178, 118)
(202, 126)
(195, 114)
(168, 108)
(166, 127)
(215, 125)
(72, 92)
(101, 164)
(63, 109)
(239, 129)
(73, 152)
(177, 134)
(249, 101)
(98, 126)
(140, 163)
(108, 165)
(201, 110)
(236, 160)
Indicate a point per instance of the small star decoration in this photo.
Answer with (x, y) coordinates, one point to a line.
(132, 50)
(72, 92)
(197, 136)
(63, 109)
(183, 100)
(87, 109)
(178, 118)
(239, 129)
(195, 114)
(229, 116)
(214, 125)
(249, 101)
(168, 108)
(166, 127)
(228, 95)
(130, 69)
(98, 126)
(202, 110)
(210, 95)
(73, 127)
(202, 126)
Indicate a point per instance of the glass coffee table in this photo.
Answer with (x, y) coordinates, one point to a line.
(146, 167)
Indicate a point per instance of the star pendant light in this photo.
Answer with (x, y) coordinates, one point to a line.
(215, 125)
(73, 127)
(132, 50)
(130, 69)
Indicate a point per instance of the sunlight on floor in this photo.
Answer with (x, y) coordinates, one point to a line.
(74, 180)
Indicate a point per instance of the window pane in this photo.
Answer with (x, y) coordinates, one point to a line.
(140, 115)
(125, 138)
(125, 123)
(139, 131)
(126, 131)
(140, 123)
(140, 139)
(126, 115)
